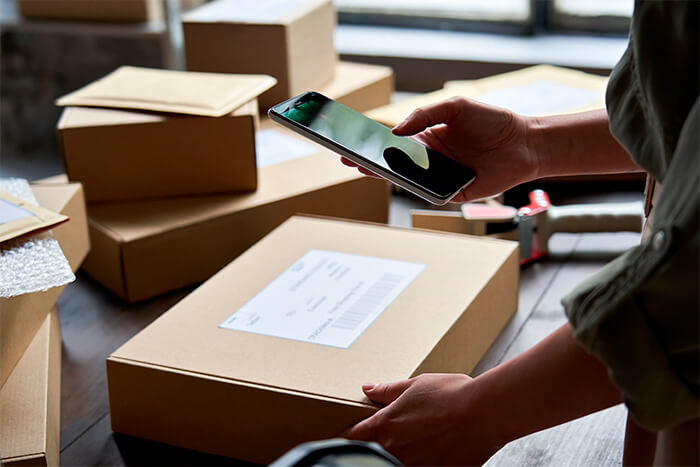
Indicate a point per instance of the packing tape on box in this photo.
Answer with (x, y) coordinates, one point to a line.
(31, 264)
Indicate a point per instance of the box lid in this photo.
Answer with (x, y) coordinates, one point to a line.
(538, 90)
(251, 11)
(351, 76)
(196, 93)
(188, 337)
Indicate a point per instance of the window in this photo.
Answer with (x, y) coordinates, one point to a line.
(504, 16)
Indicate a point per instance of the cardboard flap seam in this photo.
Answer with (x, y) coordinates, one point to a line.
(240, 381)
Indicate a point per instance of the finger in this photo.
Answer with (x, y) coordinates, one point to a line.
(347, 162)
(429, 115)
(386, 393)
(362, 170)
(366, 430)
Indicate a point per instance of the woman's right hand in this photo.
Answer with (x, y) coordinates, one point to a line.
(493, 142)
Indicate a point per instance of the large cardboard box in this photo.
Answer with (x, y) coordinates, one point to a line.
(538, 90)
(131, 154)
(21, 316)
(100, 10)
(142, 249)
(360, 86)
(327, 305)
(290, 40)
(30, 401)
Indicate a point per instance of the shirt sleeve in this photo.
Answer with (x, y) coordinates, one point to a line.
(639, 315)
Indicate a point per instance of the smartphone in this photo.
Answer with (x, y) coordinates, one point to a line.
(399, 159)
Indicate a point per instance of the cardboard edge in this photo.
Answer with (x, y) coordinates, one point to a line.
(53, 391)
(478, 322)
(202, 425)
(265, 387)
(400, 227)
(51, 363)
(97, 232)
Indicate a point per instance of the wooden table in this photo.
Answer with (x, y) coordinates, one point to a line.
(95, 322)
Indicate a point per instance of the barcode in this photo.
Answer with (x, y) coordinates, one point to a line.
(368, 302)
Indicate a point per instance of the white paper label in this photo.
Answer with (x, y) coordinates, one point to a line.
(10, 212)
(245, 11)
(325, 297)
(274, 147)
(540, 97)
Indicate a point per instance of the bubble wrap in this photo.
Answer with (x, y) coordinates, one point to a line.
(34, 264)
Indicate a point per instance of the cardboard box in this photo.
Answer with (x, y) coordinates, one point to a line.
(186, 381)
(292, 41)
(130, 154)
(140, 250)
(30, 401)
(537, 90)
(99, 10)
(360, 86)
(21, 316)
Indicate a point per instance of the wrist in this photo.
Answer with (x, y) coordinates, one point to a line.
(537, 149)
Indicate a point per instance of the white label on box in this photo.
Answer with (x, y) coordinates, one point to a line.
(274, 147)
(10, 212)
(245, 11)
(540, 97)
(325, 297)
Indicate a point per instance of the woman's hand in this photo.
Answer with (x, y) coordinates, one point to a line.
(506, 149)
(428, 420)
(491, 141)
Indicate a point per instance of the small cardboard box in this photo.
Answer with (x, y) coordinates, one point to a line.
(21, 316)
(99, 10)
(142, 249)
(291, 40)
(30, 401)
(538, 90)
(406, 302)
(360, 86)
(120, 154)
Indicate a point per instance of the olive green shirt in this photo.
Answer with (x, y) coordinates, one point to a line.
(639, 315)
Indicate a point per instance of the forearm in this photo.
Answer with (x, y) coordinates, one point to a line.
(552, 383)
(577, 144)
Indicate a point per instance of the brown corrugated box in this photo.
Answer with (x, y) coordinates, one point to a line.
(99, 10)
(21, 316)
(142, 249)
(360, 86)
(187, 382)
(292, 41)
(30, 401)
(126, 155)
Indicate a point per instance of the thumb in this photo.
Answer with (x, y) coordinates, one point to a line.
(386, 393)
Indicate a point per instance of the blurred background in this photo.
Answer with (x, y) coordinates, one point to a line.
(425, 42)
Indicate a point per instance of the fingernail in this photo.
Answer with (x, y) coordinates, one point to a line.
(368, 386)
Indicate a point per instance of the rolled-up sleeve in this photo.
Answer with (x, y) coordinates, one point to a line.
(640, 314)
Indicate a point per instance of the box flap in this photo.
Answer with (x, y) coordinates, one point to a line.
(188, 336)
(251, 11)
(196, 93)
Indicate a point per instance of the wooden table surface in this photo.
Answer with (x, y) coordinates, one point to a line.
(95, 322)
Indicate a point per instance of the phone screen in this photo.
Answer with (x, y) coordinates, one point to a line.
(402, 156)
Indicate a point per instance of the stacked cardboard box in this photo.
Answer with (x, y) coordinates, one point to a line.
(290, 40)
(30, 345)
(145, 174)
(142, 133)
(272, 351)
